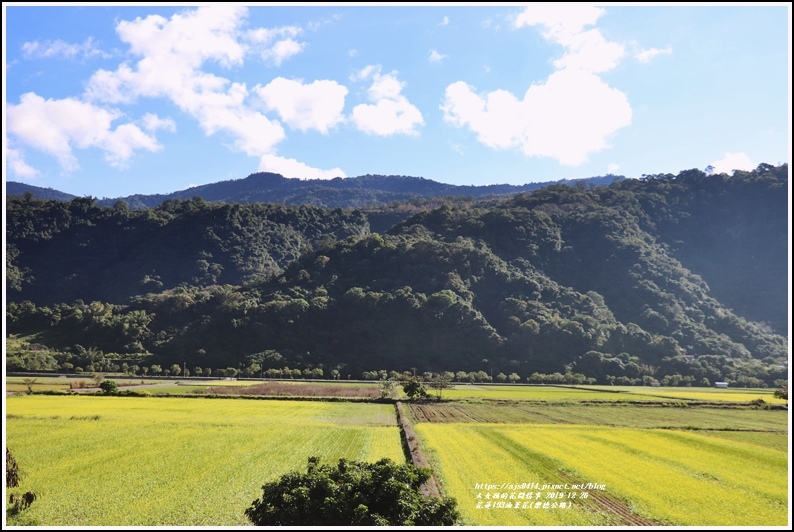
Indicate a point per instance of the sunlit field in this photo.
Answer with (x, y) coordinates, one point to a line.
(646, 477)
(117, 461)
(512, 455)
(608, 393)
(542, 393)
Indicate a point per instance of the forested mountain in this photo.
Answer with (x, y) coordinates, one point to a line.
(676, 276)
(20, 189)
(63, 251)
(368, 190)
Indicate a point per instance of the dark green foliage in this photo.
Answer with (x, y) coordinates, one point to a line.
(565, 283)
(16, 502)
(108, 387)
(12, 470)
(414, 388)
(61, 252)
(351, 494)
(782, 391)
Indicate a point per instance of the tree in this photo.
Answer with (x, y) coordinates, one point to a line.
(108, 387)
(386, 388)
(12, 470)
(351, 494)
(17, 502)
(782, 390)
(439, 383)
(29, 383)
(413, 388)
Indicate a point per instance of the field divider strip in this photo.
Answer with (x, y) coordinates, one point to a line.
(431, 488)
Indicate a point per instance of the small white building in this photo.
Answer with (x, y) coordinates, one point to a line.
(721, 384)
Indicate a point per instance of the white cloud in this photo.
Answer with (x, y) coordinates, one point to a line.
(120, 143)
(365, 72)
(644, 56)
(277, 44)
(190, 37)
(59, 48)
(390, 112)
(559, 22)
(567, 118)
(317, 105)
(589, 51)
(283, 50)
(731, 162)
(57, 126)
(18, 166)
(435, 57)
(565, 25)
(172, 53)
(612, 168)
(295, 169)
(444, 21)
(152, 122)
(268, 35)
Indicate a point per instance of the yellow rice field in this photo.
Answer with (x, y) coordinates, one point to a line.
(117, 461)
(665, 477)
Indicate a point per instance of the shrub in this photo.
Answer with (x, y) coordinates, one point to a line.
(108, 387)
(352, 494)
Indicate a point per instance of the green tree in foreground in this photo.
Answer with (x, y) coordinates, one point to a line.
(351, 493)
(16, 502)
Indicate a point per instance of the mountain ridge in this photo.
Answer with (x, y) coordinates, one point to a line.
(348, 192)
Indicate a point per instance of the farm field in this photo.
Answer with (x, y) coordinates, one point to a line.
(540, 392)
(631, 476)
(112, 461)
(178, 386)
(659, 462)
(301, 389)
(715, 394)
(617, 415)
(42, 384)
(606, 393)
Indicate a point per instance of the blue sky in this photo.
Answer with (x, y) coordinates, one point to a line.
(120, 99)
